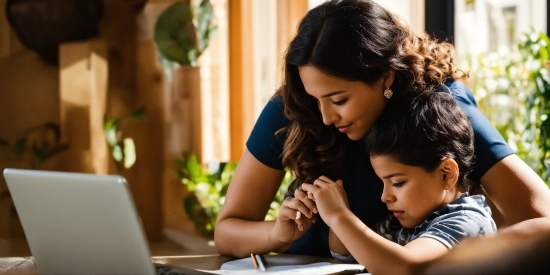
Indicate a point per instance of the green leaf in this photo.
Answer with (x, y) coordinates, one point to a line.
(109, 123)
(175, 34)
(195, 169)
(137, 114)
(205, 24)
(129, 153)
(210, 187)
(111, 136)
(197, 215)
(116, 151)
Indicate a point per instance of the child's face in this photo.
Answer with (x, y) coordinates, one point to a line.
(410, 192)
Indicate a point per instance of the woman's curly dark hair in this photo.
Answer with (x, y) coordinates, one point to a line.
(356, 40)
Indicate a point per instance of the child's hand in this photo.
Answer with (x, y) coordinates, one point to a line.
(329, 196)
(296, 215)
(310, 196)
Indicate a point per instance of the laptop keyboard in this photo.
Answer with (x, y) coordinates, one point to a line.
(165, 270)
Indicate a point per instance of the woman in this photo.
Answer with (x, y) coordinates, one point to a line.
(348, 59)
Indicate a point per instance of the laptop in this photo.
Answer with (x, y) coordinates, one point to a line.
(77, 223)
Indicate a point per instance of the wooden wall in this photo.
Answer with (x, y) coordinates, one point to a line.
(114, 74)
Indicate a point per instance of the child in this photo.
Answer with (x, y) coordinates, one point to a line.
(422, 151)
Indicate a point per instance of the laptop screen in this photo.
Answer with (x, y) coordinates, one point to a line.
(78, 223)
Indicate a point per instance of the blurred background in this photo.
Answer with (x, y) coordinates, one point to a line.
(165, 92)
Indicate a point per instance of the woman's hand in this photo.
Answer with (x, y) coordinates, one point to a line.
(296, 215)
(330, 197)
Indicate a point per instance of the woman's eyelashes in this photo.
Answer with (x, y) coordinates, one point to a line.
(340, 102)
(398, 184)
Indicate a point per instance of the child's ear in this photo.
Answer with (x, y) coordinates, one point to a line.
(450, 172)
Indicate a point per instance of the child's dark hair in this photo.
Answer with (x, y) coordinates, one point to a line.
(424, 132)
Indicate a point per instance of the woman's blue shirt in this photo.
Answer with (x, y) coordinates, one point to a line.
(362, 186)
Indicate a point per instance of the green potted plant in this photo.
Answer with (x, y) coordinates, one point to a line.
(209, 187)
(123, 149)
(513, 90)
(42, 142)
(183, 31)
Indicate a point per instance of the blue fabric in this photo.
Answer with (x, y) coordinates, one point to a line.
(464, 217)
(361, 184)
(264, 145)
(489, 145)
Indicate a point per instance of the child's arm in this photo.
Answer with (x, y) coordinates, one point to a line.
(376, 253)
(379, 255)
(336, 246)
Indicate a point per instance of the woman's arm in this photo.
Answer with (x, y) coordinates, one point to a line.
(519, 195)
(519, 198)
(240, 228)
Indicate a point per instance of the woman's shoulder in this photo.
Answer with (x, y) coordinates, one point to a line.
(459, 91)
(265, 143)
(275, 107)
(273, 115)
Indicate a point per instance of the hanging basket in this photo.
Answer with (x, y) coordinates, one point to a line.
(41, 25)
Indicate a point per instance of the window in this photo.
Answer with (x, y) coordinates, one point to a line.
(483, 26)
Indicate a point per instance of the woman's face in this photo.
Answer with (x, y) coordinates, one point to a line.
(351, 106)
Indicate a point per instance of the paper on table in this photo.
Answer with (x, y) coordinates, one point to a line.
(244, 266)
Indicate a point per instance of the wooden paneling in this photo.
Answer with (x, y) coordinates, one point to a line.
(132, 77)
(238, 34)
(289, 14)
(243, 48)
(83, 70)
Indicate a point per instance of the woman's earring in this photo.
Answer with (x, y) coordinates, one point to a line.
(388, 93)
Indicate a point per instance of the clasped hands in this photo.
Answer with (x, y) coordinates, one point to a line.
(297, 213)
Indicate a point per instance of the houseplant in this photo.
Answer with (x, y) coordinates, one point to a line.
(42, 142)
(513, 90)
(209, 186)
(535, 49)
(123, 149)
(183, 31)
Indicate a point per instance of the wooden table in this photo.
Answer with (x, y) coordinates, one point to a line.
(25, 265)
(191, 252)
